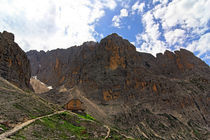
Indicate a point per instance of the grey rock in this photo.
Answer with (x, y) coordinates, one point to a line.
(14, 64)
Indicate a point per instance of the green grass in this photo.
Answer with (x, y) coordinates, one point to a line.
(19, 137)
(3, 127)
(61, 123)
(87, 117)
(65, 126)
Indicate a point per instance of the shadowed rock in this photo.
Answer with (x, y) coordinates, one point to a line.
(14, 64)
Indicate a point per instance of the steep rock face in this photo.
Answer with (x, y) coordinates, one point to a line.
(123, 83)
(180, 64)
(14, 64)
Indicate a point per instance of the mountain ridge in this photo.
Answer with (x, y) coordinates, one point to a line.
(130, 86)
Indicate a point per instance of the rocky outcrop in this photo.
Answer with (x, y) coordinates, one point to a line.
(38, 86)
(123, 82)
(14, 64)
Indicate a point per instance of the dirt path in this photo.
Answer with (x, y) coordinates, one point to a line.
(108, 132)
(20, 126)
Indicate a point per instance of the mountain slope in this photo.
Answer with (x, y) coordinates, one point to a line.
(130, 87)
(14, 65)
(67, 125)
(18, 106)
(17, 102)
(24, 115)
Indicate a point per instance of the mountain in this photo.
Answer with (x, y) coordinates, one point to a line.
(17, 101)
(14, 65)
(162, 97)
(24, 115)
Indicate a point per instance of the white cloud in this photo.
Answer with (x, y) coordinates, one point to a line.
(175, 24)
(117, 18)
(138, 6)
(150, 38)
(175, 36)
(202, 45)
(192, 14)
(51, 24)
(123, 13)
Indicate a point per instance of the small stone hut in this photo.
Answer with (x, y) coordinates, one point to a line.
(74, 105)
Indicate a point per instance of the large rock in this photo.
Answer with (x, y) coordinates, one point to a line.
(122, 83)
(14, 64)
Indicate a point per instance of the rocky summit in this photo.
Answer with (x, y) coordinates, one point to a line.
(14, 64)
(147, 97)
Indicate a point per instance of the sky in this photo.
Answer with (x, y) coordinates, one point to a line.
(151, 25)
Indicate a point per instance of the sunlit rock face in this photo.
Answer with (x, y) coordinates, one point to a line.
(14, 64)
(125, 83)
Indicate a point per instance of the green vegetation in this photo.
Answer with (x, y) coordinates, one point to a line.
(3, 127)
(62, 126)
(65, 126)
(17, 105)
(60, 122)
(20, 137)
(87, 117)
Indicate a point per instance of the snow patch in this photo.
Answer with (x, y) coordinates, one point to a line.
(50, 87)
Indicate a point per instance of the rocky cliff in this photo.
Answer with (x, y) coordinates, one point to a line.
(14, 64)
(151, 97)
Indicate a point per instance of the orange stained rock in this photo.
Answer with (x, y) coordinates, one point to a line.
(127, 82)
(179, 64)
(57, 63)
(138, 84)
(18, 60)
(10, 62)
(182, 105)
(115, 59)
(74, 72)
(107, 95)
(116, 95)
(189, 66)
(62, 79)
(143, 84)
(154, 87)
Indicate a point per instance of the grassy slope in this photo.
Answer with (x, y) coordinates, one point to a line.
(66, 126)
(18, 106)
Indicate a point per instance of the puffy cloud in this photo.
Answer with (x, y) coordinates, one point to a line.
(138, 6)
(202, 45)
(174, 24)
(117, 18)
(188, 14)
(51, 24)
(123, 13)
(175, 36)
(150, 38)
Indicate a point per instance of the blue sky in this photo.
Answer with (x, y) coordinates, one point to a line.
(151, 25)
